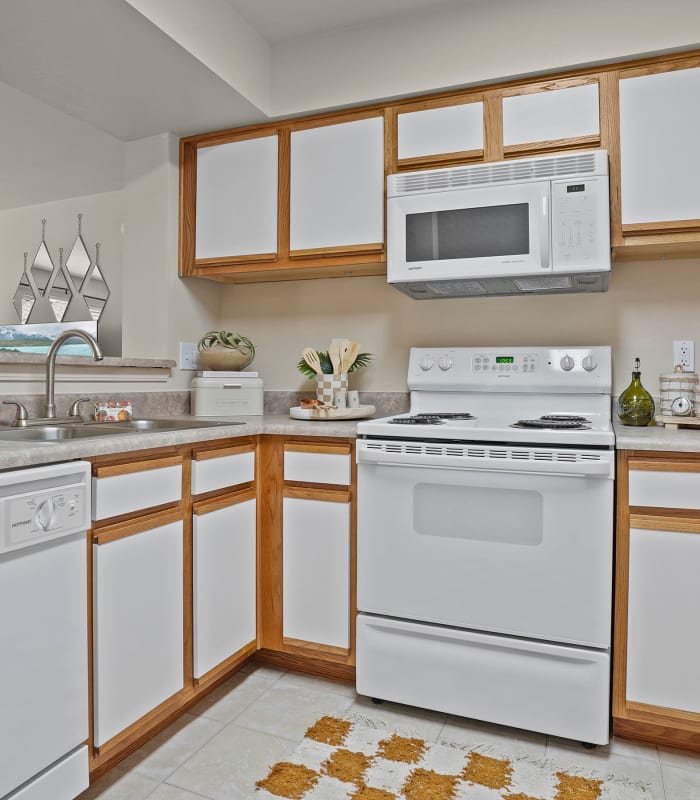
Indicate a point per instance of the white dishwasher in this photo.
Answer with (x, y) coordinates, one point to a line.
(44, 515)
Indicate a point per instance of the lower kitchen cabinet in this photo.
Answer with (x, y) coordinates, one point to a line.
(224, 585)
(656, 695)
(137, 620)
(316, 571)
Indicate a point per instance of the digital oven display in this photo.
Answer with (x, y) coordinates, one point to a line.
(504, 359)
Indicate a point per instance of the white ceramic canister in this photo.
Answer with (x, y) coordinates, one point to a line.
(679, 394)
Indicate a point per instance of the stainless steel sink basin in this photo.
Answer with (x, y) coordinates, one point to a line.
(165, 424)
(54, 433)
(85, 430)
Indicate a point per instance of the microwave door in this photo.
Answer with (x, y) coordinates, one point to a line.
(474, 233)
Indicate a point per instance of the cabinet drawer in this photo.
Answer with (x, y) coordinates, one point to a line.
(124, 488)
(315, 464)
(217, 469)
(664, 488)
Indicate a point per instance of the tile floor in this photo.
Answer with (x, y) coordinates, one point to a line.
(229, 740)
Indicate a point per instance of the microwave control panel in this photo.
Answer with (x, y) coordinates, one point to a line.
(580, 223)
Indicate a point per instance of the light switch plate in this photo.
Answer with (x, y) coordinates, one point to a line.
(188, 355)
(684, 354)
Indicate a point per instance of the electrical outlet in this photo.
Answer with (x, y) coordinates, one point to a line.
(188, 355)
(684, 354)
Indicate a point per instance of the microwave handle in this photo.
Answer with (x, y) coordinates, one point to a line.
(545, 232)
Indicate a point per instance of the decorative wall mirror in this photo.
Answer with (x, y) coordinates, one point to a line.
(75, 290)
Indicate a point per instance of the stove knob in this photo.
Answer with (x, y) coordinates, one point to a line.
(426, 363)
(567, 363)
(589, 363)
(445, 363)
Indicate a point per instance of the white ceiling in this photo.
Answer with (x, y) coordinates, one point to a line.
(278, 20)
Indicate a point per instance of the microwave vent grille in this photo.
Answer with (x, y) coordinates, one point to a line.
(498, 172)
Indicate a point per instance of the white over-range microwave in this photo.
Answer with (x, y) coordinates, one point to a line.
(531, 225)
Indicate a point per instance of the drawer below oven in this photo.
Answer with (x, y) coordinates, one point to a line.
(553, 689)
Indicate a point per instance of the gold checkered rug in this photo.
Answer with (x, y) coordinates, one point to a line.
(353, 760)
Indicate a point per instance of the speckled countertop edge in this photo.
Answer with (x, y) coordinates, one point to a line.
(27, 454)
(657, 437)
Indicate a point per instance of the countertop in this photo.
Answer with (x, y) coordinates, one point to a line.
(29, 454)
(657, 437)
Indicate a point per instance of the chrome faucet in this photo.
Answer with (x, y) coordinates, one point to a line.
(51, 364)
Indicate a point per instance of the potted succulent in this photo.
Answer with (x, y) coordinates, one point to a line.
(224, 350)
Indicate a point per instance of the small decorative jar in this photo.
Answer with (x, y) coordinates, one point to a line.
(327, 386)
(677, 391)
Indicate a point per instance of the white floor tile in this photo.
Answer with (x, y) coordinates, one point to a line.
(681, 784)
(167, 792)
(288, 710)
(685, 759)
(262, 671)
(119, 785)
(492, 739)
(166, 751)
(228, 766)
(227, 701)
(404, 720)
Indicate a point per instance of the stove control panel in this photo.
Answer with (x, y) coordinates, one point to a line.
(521, 362)
(557, 369)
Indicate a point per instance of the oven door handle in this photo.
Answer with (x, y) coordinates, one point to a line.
(594, 469)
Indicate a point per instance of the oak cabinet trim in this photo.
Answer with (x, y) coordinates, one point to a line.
(143, 465)
(220, 452)
(245, 493)
(318, 447)
(325, 650)
(140, 524)
(316, 492)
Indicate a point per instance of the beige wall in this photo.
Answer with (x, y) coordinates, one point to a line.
(648, 305)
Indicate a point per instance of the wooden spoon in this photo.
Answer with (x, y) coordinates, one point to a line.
(312, 359)
(334, 355)
(349, 356)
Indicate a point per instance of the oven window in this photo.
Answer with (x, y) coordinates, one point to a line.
(503, 516)
(481, 232)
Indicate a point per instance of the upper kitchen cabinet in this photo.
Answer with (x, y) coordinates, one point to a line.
(552, 115)
(237, 201)
(337, 188)
(299, 199)
(659, 156)
(435, 133)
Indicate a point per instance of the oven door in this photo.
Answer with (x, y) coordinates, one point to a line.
(511, 540)
(488, 232)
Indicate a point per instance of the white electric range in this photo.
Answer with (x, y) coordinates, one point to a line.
(485, 523)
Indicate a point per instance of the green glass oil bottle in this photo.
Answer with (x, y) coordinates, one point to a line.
(635, 406)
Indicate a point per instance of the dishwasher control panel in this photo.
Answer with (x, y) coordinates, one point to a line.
(43, 504)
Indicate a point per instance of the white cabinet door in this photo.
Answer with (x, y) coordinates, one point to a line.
(237, 198)
(224, 584)
(548, 115)
(433, 131)
(660, 161)
(316, 571)
(137, 626)
(337, 185)
(663, 648)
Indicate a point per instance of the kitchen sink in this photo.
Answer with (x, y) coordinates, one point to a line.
(53, 433)
(85, 430)
(154, 425)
